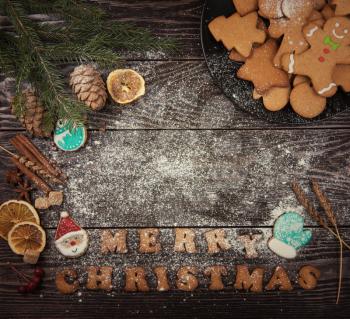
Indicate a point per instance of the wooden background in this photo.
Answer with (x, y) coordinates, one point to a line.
(185, 156)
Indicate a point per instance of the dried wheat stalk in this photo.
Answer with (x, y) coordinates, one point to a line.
(322, 198)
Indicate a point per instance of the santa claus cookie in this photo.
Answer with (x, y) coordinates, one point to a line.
(70, 239)
(330, 46)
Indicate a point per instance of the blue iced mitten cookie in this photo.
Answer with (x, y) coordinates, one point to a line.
(68, 137)
(289, 235)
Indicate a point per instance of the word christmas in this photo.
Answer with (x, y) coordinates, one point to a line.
(188, 277)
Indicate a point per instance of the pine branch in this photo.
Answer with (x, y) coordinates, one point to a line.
(31, 48)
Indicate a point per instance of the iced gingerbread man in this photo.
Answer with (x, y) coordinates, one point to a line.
(296, 17)
(329, 46)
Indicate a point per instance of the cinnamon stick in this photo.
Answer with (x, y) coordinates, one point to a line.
(38, 155)
(22, 149)
(34, 178)
(29, 160)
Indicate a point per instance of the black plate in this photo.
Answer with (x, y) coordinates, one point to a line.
(239, 91)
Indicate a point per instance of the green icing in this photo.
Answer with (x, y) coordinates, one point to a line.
(288, 228)
(69, 138)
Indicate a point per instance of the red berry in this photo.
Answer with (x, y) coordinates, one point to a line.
(30, 286)
(39, 271)
(22, 289)
(36, 280)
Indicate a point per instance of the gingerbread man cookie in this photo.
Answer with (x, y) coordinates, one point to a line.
(260, 70)
(342, 7)
(341, 76)
(297, 13)
(329, 47)
(236, 32)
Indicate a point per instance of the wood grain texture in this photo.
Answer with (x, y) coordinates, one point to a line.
(196, 178)
(180, 95)
(322, 252)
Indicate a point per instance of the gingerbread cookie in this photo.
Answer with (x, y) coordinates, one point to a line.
(297, 13)
(328, 12)
(319, 4)
(276, 98)
(341, 76)
(342, 7)
(306, 102)
(244, 7)
(260, 70)
(300, 79)
(329, 47)
(235, 56)
(271, 9)
(236, 32)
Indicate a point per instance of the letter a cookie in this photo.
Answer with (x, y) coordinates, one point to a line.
(237, 32)
(329, 47)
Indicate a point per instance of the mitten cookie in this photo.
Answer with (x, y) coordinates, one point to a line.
(305, 101)
(289, 235)
(329, 47)
(237, 32)
(341, 76)
(244, 7)
(342, 7)
(297, 13)
(260, 70)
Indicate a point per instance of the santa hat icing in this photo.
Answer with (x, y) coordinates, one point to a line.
(66, 226)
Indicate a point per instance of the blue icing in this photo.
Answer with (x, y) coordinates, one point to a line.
(69, 138)
(288, 228)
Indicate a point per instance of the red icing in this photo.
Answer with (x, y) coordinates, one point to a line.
(326, 51)
(321, 59)
(65, 226)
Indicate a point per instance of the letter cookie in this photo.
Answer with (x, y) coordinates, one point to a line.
(329, 47)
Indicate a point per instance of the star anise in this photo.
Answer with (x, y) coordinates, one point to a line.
(13, 177)
(23, 189)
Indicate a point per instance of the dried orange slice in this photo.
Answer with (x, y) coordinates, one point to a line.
(125, 85)
(26, 236)
(13, 212)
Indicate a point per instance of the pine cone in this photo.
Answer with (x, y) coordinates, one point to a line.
(88, 85)
(33, 114)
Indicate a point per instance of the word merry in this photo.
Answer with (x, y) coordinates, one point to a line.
(100, 278)
(185, 241)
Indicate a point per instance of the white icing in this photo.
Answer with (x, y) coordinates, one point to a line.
(282, 249)
(337, 35)
(76, 250)
(291, 64)
(311, 32)
(326, 89)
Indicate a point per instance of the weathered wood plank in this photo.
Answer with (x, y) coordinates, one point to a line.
(196, 178)
(180, 95)
(322, 252)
